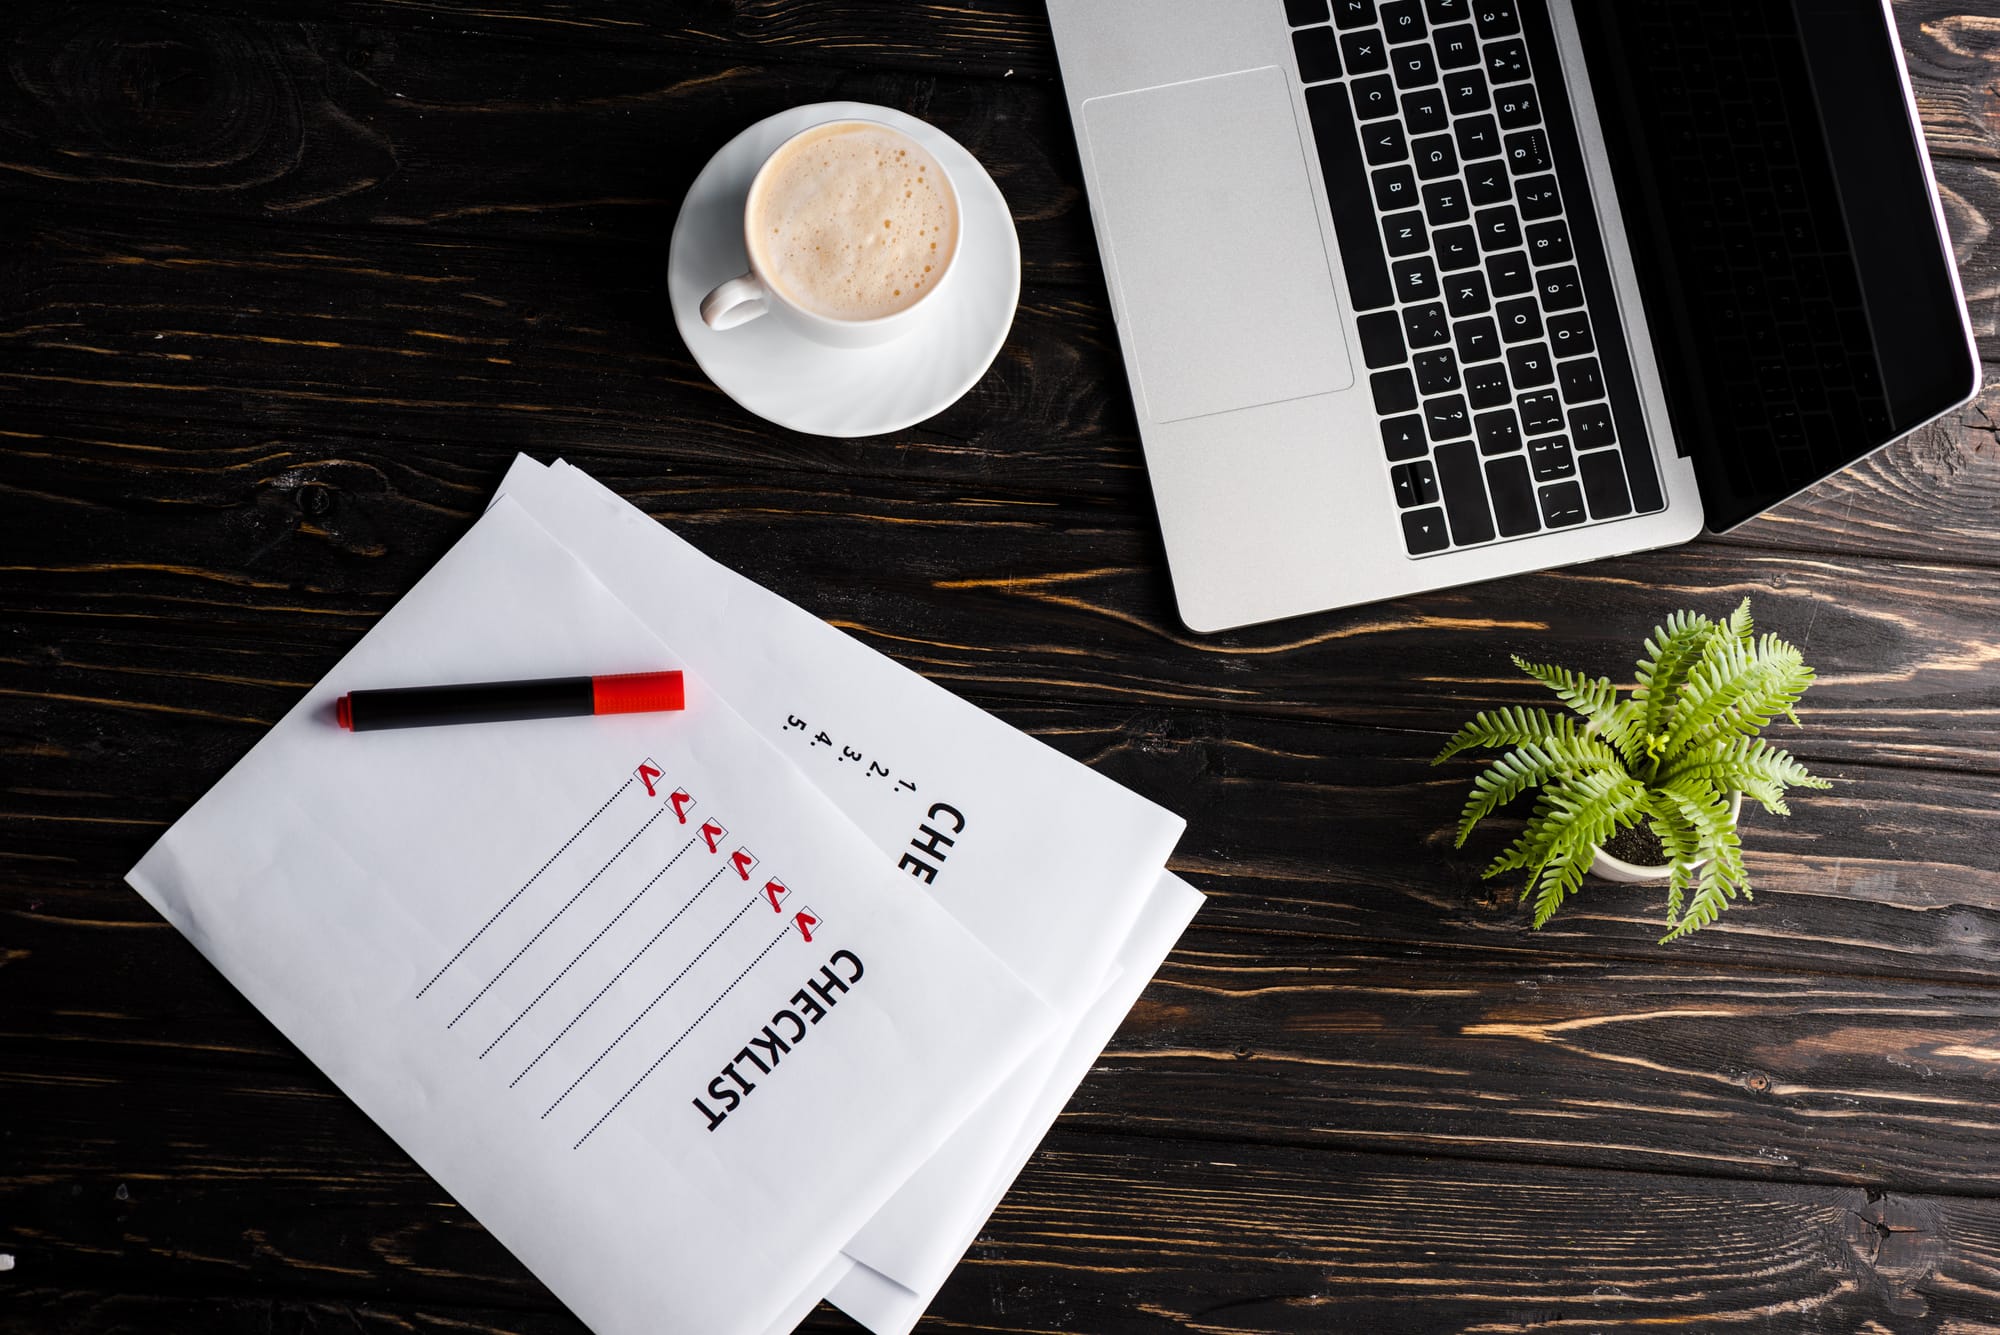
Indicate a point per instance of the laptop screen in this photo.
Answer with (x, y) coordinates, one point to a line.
(1780, 217)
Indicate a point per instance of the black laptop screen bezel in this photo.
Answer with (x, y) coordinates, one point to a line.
(1914, 333)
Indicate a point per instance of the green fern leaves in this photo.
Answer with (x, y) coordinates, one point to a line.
(1669, 754)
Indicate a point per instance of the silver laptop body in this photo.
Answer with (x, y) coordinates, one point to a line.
(1256, 401)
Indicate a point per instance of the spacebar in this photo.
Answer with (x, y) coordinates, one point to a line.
(1347, 195)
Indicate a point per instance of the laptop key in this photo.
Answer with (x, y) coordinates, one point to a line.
(1444, 202)
(1301, 12)
(1447, 418)
(1527, 152)
(1538, 198)
(1520, 320)
(1424, 531)
(1465, 92)
(1424, 113)
(1448, 11)
(1395, 391)
(1486, 183)
(1541, 413)
(1456, 250)
(1551, 459)
(1509, 274)
(1496, 18)
(1435, 157)
(1582, 381)
(1478, 136)
(1395, 188)
(1561, 288)
(1318, 53)
(1413, 66)
(1457, 47)
(1486, 386)
(1499, 228)
(1365, 52)
(1604, 484)
(1548, 242)
(1464, 487)
(1562, 504)
(1569, 333)
(1403, 20)
(1384, 143)
(1381, 339)
(1405, 234)
(1403, 437)
(1415, 484)
(1354, 224)
(1425, 326)
(1506, 62)
(1514, 508)
(1374, 97)
(1498, 432)
(1530, 366)
(1465, 294)
(1478, 339)
(1437, 371)
(1591, 426)
(1353, 13)
(1517, 108)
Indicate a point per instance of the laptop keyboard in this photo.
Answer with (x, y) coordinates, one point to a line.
(1504, 412)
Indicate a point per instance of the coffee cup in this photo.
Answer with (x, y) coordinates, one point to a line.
(850, 227)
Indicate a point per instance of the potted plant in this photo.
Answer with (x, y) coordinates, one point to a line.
(1671, 758)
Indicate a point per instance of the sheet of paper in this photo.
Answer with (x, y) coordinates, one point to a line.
(891, 1306)
(1054, 897)
(629, 987)
(1044, 859)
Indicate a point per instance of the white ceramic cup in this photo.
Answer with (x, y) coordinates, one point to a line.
(752, 294)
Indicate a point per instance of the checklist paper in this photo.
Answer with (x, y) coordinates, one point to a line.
(1052, 865)
(645, 1001)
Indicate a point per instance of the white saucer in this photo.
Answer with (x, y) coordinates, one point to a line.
(786, 378)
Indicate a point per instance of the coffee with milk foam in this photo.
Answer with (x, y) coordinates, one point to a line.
(854, 221)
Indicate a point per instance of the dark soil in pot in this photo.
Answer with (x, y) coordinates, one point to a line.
(1638, 846)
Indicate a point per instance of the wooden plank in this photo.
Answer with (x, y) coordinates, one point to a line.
(485, 344)
(447, 132)
(1946, 43)
(427, 119)
(1952, 50)
(283, 557)
(1101, 1233)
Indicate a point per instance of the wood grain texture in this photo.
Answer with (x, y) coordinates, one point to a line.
(1011, 592)
(284, 287)
(1254, 1240)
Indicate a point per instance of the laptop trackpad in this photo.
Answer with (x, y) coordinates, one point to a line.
(1215, 247)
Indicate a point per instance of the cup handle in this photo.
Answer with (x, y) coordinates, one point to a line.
(738, 301)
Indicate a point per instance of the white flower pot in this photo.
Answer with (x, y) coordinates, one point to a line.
(1607, 868)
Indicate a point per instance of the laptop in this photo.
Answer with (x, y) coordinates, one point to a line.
(1414, 293)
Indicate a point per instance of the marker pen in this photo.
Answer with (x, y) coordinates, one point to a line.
(498, 701)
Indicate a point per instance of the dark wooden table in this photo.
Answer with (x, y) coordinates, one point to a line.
(283, 289)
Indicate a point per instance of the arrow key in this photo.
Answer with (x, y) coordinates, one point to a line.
(1424, 532)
